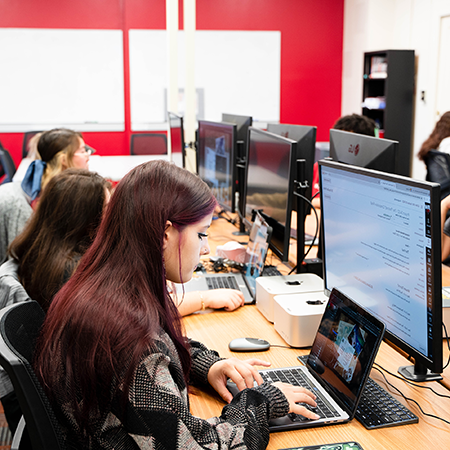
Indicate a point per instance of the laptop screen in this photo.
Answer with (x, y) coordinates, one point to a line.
(345, 347)
(256, 252)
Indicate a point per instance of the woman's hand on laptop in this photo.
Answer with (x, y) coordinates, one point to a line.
(295, 395)
(241, 372)
(228, 299)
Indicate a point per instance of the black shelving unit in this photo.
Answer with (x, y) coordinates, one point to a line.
(388, 98)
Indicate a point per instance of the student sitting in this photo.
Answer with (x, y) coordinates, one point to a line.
(59, 149)
(112, 356)
(45, 254)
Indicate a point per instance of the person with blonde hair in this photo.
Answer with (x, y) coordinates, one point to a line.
(59, 149)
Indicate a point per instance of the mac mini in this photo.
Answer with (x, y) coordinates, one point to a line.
(297, 317)
(268, 287)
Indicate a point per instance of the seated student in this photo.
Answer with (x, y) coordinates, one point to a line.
(59, 149)
(354, 123)
(112, 357)
(47, 251)
(439, 138)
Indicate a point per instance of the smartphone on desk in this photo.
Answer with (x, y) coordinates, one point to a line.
(340, 446)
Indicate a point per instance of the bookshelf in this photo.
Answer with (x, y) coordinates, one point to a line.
(388, 98)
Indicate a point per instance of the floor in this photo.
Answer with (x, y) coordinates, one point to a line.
(5, 435)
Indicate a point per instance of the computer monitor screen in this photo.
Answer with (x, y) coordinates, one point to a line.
(269, 185)
(216, 149)
(364, 151)
(176, 135)
(305, 136)
(382, 248)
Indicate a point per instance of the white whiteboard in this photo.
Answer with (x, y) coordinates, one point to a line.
(61, 77)
(238, 72)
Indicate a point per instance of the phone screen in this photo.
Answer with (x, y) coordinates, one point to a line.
(340, 446)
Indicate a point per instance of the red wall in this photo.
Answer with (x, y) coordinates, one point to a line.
(311, 48)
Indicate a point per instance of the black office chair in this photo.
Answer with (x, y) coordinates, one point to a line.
(20, 324)
(438, 170)
(148, 144)
(26, 139)
(8, 168)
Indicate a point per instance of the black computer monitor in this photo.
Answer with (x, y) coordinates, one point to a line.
(242, 122)
(176, 135)
(364, 151)
(305, 136)
(216, 150)
(269, 185)
(382, 247)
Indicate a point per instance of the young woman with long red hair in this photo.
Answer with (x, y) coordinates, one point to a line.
(112, 357)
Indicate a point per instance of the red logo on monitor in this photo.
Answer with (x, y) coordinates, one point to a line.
(354, 149)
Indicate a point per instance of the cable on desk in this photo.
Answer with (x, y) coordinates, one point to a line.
(316, 233)
(407, 398)
(224, 215)
(448, 345)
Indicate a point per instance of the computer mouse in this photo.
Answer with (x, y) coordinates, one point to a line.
(248, 345)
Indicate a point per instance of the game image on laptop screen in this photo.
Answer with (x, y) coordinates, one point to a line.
(344, 348)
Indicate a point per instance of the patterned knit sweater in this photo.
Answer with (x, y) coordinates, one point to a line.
(157, 415)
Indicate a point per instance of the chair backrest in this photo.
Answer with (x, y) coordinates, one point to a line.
(438, 170)
(148, 144)
(7, 164)
(26, 139)
(20, 325)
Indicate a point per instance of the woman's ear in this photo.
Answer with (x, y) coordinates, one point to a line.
(168, 232)
(64, 162)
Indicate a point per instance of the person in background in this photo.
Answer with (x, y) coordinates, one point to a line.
(355, 123)
(59, 232)
(49, 248)
(439, 138)
(59, 150)
(112, 356)
(32, 154)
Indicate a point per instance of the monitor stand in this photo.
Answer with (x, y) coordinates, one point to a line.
(241, 165)
(418, 372)
(300, 191)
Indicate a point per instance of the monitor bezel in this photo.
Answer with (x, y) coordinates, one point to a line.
(435, 364)
(171, 115)
(305, 136)
(233, 128)
(283, 254)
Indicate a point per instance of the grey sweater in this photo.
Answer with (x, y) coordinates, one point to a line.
(15, 210)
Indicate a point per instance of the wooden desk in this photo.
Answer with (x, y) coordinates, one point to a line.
(218, 328)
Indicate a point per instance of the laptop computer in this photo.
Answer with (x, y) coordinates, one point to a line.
(338, 365)
(255, 257)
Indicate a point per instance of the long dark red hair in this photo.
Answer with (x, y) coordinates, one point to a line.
(108, 314)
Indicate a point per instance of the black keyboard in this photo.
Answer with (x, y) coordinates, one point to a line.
(221, 283)
(270, 271)
(377, 408)
(297, 378)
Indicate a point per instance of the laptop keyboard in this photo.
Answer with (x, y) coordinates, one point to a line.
(270, 271)
(221, 283)
(297, 378)
(377, 408)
